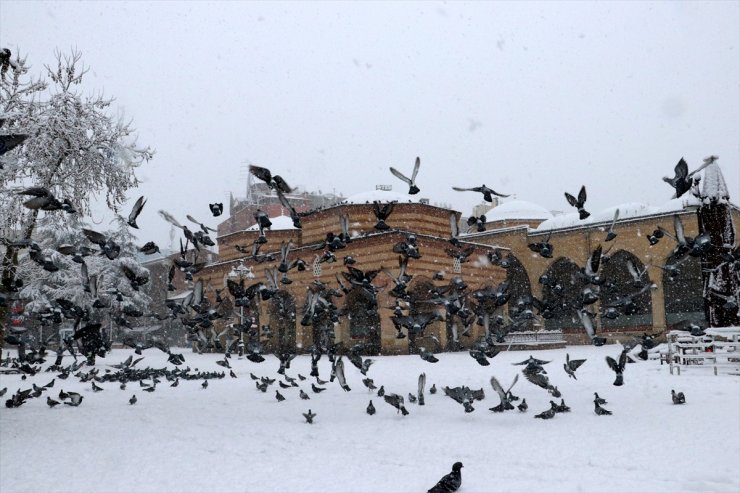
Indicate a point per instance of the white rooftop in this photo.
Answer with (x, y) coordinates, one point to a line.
(278, 223)
(518, 209)
(626, 211)
(383, 196)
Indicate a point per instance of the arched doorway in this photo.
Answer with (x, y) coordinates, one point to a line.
(561, 292)
(361, 306)
(282, 320)
(619, 292)
(682, 292)
(520, 289)
(421, 290)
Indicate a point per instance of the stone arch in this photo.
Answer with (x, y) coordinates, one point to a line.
(619, 284)
(682, 292)
(562, 292)
(282, 313)
(421, 289)
(361, 307)
(520, 290)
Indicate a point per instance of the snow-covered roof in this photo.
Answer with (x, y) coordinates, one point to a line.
(629, 210)
(383, 196)
(278, 223)
(518, 209)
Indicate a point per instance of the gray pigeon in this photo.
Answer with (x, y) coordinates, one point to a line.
(450, 482)
(370, 408)
(678, 398)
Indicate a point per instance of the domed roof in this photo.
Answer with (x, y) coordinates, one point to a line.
(518, 209)
(383, 196)
(278, 223)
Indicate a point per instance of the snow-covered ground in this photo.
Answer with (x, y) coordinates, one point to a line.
(231, 437)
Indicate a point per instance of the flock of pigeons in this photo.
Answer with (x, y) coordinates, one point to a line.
(198, 313)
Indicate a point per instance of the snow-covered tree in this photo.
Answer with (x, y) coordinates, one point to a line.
(720, 276)
(75, 149)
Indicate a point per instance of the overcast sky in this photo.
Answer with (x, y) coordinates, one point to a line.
(532, 99)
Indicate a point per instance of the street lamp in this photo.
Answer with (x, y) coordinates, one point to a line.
(241, 272)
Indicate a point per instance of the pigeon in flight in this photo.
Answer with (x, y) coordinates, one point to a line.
(10, 142)
(618, 367)
(571, 365)
(678, 398)
(396, 401)
(216, 209)
(610, 234)
(682, 179)
(411, 182)
(450, 482)
(487, 192)
(275, 182)
(135, 211)
(544, 247)
(381, 214)
(579, 202)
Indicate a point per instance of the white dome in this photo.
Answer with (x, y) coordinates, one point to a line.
(518, 209)
(383, 196)
(278, 223)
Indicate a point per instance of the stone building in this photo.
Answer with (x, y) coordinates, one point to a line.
(662, 292)
(677, 297)
(371, 249)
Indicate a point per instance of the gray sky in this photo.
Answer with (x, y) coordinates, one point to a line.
(530, 98)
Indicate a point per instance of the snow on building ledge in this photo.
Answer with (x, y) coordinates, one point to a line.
(278, 223)
(631, 210)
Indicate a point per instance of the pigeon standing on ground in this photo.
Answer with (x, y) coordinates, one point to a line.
(523, 406)
(549, 414)
(598, 399)
(450, 482)
(600, 410)
(309, 416)
(678, 398)
(370, 408)
(133, 399)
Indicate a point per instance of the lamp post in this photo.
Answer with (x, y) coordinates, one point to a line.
(241, 272)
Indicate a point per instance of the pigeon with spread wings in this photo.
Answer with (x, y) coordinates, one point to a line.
(411, 182)
(488, 193)
(579, 202)
(275, 182)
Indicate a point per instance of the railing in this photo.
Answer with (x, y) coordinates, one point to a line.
(718, 348)
(532, 337)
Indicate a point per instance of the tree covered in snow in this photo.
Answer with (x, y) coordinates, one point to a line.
(720, 275)
(75, 148)
(82, 280)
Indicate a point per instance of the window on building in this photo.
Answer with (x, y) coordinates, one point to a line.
(682, 292)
